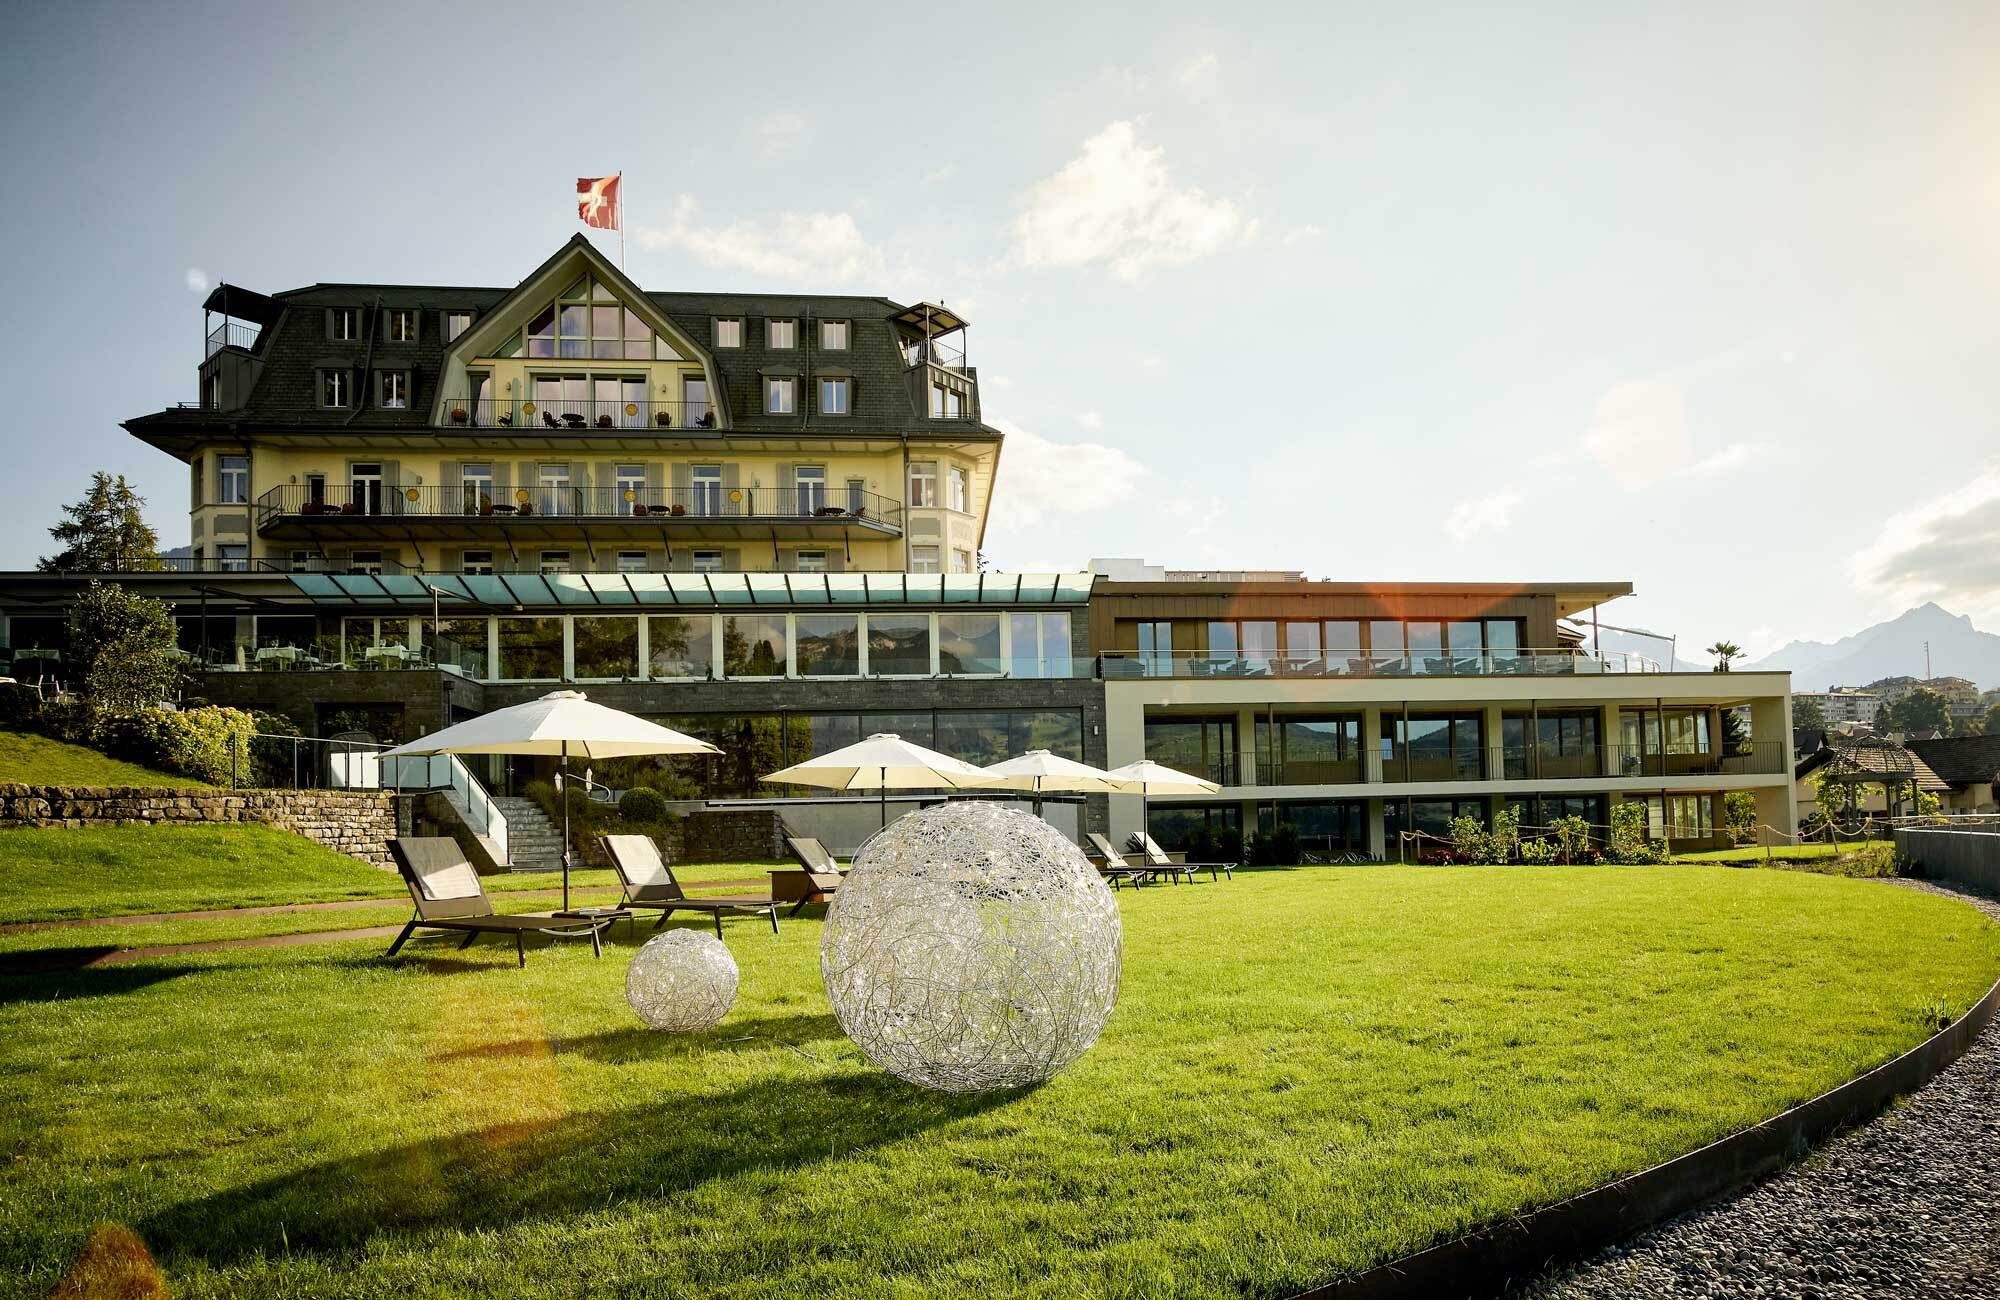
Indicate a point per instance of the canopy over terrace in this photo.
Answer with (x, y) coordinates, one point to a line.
(698, 590)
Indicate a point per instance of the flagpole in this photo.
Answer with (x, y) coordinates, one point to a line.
(621, 220)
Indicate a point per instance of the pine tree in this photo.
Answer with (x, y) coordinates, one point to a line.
(106, 532)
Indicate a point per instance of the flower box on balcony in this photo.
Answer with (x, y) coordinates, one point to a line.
(665, 419)
(458, 416)
(677, 510)
(604, 422)
(350, 507)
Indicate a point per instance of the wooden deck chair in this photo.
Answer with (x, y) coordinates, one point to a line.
(649, 882)
(448, 896)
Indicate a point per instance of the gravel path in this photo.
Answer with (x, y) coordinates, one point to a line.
(1907, 1205)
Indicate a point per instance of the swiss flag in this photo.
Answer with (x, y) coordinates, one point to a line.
(597, 201)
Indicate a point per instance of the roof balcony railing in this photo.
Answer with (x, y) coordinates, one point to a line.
(232, 334)
(579, 415)
(710, 503)
(935, 352)
(1355, 663)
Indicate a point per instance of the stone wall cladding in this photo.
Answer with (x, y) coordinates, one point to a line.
(359, 824)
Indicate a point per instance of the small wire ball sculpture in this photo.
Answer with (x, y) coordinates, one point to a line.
(972, 947)
(681, 981)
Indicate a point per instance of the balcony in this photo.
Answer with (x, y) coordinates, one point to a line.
(582, 416)
(232, 334)
(1756, 758)
(1227, 664)
(387, 512)
(1311, 771)
(1528, 763)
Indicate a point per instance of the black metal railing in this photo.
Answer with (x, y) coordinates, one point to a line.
(1754, 758)
(474, 500)
(231, 334)
(933, 352)
(1352, 663)
(579, 415)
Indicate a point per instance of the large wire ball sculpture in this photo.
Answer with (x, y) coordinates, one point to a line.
(972, 947)
(681, 981)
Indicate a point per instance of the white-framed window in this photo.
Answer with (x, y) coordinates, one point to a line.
(553, 479)
(923, 559)
(729, 332)
(778, 396)
(212, 391)
(834, 396)
(694, 404)
(857, 495)
(957, 491)
(456, 323)
(1038, 644)
(234, 557)
(233, 479)
(628, 490)
(336, 388)
(316, 489)
(708, 561)
(631, 561)
(365, 562)
(812, 488)
(393, 389)
(343, 324)
(833, 335)
(476, 483)
(366, 486)
(475, 562)
(961, 560)
(707, 481)
(781, 334)
(924, 485)
(812, 562)
(555, 561)
(402, 325)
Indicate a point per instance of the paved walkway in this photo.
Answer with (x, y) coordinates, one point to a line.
(1906, 1205)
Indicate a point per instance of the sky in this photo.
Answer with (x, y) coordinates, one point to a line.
(1702, 299)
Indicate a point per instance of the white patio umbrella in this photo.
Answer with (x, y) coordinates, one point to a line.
(1146, 777)
(1038, 770)
(884, 762)
(557, 725)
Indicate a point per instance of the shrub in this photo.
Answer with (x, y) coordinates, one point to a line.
(210, 745)
(122, 647)
(642, 804)
(1228, 846)
(1470, 841)
(1506, 837)
(1572, 838)
(1198, 842)
(1538, 852)
(20, 706)
(271, 760)
(1630, 845)
(1285, 846)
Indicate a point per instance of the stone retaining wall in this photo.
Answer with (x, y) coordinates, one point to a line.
(357, 823)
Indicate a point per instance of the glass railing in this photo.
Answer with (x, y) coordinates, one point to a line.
(1754, 758)
(1348, 663)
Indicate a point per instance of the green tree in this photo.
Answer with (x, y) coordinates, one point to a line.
(106, 532)
(1735, 740)
(1807, 713)
(1919, 709)
(121, 646)
(1724, 651)
(1989, 725)
(1739, 815)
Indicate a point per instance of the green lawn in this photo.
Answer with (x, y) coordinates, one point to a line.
(37, 760)
(1308, 1071)
(1777, 853)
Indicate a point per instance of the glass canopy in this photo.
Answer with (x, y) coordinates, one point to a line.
(700, 590)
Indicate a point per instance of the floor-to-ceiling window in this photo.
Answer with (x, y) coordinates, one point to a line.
(1433, 747)
(1309, 749)
(1203, 747)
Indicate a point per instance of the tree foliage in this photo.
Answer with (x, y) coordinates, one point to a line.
(121, 645)
(1990, 724)
(1807, 713)
(1724, 651)
(1921, 708)
(106, 532)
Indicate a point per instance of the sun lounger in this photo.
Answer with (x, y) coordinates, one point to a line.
(822, 869)
(448, 896)
(1115, 868)
(649, 882)
(1157, 857)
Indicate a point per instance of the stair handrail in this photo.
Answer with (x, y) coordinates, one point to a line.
(449, 774)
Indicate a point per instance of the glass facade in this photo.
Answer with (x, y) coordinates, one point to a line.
(828, 645)
(1041, 645)
(1203, 747)
(1324, 826)
(679, 645)
(531, 648)
(1556, 745)
(899, 645)
(1414, 828)
(969, 643)
(753, 645)
(1169, 824)
(1313, 749)
(1433, 747)
(606, 646)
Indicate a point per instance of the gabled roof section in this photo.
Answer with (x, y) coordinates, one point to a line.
(577, 257)
(1961, 760)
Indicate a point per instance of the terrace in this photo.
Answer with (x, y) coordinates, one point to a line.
(1565, 661)
(361, 509)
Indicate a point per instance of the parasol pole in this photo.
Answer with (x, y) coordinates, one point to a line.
(565, 843)
(882, 788)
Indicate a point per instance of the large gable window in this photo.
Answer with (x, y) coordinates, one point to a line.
(587, 322)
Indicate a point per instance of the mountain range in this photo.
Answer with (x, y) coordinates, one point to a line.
(1892, 649)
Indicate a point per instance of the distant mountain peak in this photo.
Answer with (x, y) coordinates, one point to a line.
(1894, 648)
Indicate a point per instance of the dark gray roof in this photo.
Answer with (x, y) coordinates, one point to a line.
(1961, 760)
(295, 347)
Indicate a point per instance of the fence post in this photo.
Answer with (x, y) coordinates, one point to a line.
(232, 765)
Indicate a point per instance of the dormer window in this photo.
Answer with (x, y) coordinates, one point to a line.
(781, 335)
(729, 332)
(335, 388)
(778, 396)
(392, 389)
(402, 325)
(833, 335)
(456, 323)
(835, 396)
(343, 324)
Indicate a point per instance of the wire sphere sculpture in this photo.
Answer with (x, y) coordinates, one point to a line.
(972, 947)
(681, 981)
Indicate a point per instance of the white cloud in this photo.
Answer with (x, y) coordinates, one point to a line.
(1117, 203)
(821, 247)
(1091, 420)
(1721, 461)
(1476, 515)
(1040, 478)
(1300, 234)
(1198, 73)
(197, 280)
(1946, 549)
(781, 137)
(939, 175)
(1639, 431)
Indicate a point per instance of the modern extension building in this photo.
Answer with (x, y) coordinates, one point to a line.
(759, 517)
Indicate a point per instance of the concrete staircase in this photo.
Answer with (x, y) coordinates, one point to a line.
(533, 841)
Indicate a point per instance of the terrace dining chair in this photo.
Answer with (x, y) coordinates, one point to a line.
(445, 888)
(649, 883)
